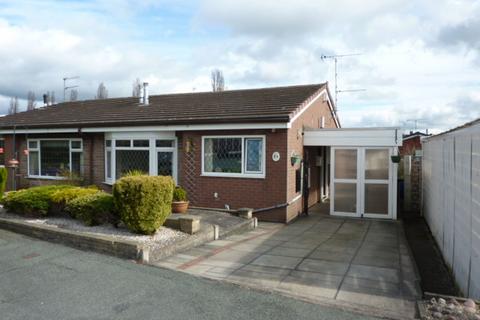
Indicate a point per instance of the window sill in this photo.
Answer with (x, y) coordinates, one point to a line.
(230, 175)
(108, 183)
(45, 178)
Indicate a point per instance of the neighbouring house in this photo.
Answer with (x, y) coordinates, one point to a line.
(270, 149)
(412, 143)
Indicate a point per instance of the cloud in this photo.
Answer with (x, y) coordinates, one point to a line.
(419, 58)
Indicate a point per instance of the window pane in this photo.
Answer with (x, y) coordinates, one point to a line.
(165, 143)
(33, 163)
(127, 160)
(55, 157)
(32, 144)
(109, 164)
(254, 154)
(345, 197)
(108, 143)
(376, 164)
(223, 155)
(122, 143)
(76, 144)
(376, 198)
(77, 163)
(141, 143)
(298, 180)
(165, 163)
(345, 164)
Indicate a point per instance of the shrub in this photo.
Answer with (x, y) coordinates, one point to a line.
(61, 198)
(3, 180)
(134, 172)
(179, 194)
(32, 201)
(93, 209)
(143, 202)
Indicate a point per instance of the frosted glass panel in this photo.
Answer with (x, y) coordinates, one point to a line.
(376, 198)
(345, 164)
(376, 164)
(345, 197)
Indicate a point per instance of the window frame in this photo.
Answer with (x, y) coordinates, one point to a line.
(244, 174)
(152, 149)
(38, 148)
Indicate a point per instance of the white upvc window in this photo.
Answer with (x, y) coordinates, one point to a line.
(233, 156)
(52, 158)
(153, 154)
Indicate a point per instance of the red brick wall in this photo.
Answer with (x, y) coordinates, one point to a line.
(236, 192)
(410, 145)
(93, 159)
(310, 118)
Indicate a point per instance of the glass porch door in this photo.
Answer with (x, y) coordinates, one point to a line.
(362, 182)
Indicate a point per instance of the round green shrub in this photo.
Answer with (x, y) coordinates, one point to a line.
(93, 209)
(179, 194)
(143, 202)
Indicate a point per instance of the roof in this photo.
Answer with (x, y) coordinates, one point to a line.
(463, 126)
(278, 104)
(412, 135)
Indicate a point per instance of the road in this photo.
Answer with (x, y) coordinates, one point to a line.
(41, 280)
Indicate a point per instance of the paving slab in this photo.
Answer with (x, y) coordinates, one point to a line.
(268, 260)
(350, 262)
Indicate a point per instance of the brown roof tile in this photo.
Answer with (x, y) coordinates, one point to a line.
(235, 106)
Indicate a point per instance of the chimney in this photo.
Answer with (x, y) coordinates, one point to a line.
(45, 100)
(145, 93)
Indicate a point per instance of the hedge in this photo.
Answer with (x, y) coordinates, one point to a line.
(93, 209)
(143, 202)
(33, 201)
(61, 198)
(3, 180)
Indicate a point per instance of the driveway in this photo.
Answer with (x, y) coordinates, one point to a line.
(41, 280)
(363, 265)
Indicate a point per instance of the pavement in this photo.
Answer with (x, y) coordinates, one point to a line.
(358, 264)
(42, 280)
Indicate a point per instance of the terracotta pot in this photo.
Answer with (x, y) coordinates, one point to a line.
(179, 206)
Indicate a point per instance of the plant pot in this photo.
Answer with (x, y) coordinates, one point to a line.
(179, 206)
(395, 159)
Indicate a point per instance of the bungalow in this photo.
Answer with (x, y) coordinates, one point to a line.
(239, 148)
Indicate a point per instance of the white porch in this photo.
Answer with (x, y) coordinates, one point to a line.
(363, 176)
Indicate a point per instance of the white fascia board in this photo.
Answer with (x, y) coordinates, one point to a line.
(46, 130)
(359, 137)
(232, 126)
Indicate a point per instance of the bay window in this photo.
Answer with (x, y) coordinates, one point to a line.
(52, 158)
(234, 156)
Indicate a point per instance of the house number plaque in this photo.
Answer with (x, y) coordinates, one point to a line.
(276, 156)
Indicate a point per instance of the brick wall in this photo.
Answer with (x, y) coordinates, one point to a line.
(416, 184)
(236, 192)
(311, 118)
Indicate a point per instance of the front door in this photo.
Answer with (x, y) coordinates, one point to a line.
(361, 182)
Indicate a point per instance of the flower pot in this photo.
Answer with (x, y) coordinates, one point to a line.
(179, 206)
(395, 159)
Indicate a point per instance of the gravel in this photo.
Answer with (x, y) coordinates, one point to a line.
(452, 309)
(163, 237)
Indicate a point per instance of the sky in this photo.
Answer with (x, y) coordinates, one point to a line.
(418, 60)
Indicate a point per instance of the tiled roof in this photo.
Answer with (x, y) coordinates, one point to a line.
(236, 106)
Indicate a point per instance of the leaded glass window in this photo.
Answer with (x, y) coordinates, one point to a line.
(165, 163)
(128, 160)
(234, 156)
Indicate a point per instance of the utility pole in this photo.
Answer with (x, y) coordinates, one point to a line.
(65, 88)
(335, 58)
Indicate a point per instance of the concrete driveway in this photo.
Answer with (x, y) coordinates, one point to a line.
(363, 265)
